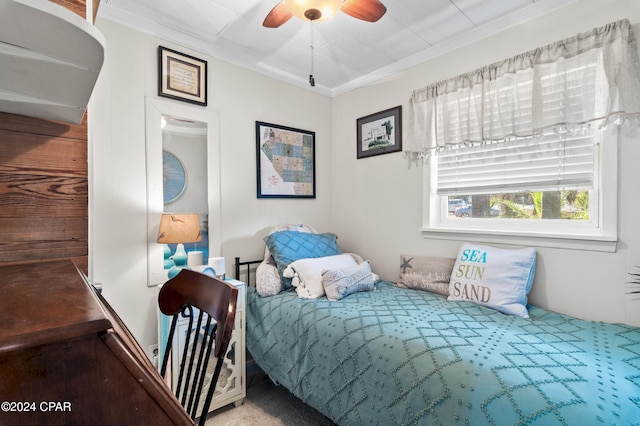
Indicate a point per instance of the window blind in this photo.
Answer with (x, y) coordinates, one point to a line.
(555, 162)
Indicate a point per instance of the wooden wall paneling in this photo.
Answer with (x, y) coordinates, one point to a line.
(22, 153)
(43, 190)
(77, 6)
(80, 6)
(38, 126)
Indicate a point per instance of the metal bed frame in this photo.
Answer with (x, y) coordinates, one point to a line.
(247, 268)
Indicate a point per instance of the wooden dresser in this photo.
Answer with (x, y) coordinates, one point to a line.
(66, 358)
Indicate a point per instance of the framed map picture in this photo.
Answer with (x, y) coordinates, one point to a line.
(285, 159)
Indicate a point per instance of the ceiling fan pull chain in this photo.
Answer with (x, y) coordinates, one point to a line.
(312, 80)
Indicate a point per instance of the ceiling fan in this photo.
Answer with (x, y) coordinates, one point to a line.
(321, 10)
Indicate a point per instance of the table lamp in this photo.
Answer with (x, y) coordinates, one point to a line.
(179, 228)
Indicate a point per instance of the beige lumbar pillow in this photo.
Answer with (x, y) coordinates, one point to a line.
(426, 273)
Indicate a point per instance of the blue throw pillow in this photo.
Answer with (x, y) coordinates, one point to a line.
(497, 278)
(288, 246)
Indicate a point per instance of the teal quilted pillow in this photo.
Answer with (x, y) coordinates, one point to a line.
(288, 246)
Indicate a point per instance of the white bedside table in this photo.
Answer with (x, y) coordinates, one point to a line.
(231, 387)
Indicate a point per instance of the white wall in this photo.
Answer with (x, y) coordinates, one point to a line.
(377, 200)
(373, 204)
(118, 220)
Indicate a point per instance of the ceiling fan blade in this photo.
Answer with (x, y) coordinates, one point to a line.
(367, 10)
(278, 16)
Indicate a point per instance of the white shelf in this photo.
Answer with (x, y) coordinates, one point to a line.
(50, 59)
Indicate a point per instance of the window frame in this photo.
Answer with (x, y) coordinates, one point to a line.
(599, 233)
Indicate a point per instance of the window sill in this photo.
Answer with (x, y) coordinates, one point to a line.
(572, 242)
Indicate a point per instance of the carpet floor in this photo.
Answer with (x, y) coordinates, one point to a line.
(267, 404)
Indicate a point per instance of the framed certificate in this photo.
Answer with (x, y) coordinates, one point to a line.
(182, 77)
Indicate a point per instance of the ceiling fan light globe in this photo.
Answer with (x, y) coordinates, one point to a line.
(328, 8)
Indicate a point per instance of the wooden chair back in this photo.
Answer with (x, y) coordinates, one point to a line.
(210, 305)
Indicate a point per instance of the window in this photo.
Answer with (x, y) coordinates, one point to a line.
(527, 144)
(563, 188)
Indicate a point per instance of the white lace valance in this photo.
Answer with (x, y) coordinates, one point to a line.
(590, 80)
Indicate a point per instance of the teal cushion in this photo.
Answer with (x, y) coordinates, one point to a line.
(493, 277)
(288, 246)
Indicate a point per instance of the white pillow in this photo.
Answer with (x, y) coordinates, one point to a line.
(267, 279)
(341, 283)
(496, 278)
(306, 274)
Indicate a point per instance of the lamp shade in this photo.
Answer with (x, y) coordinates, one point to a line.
(179, 228)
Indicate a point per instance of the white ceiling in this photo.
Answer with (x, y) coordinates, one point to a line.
(348, 53)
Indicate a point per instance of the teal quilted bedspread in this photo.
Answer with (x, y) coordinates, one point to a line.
(406, 357)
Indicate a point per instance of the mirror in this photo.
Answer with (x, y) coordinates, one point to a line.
(183, 165)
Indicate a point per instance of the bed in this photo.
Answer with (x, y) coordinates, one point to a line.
(402, 356)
